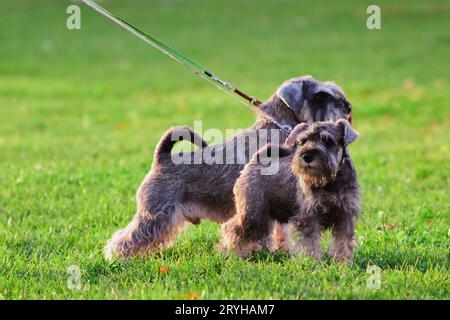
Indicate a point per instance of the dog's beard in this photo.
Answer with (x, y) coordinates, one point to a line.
(316, 176)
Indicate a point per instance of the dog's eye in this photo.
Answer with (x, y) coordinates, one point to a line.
(327, 141)
(321, 97)
(347, 107)
(301, 142)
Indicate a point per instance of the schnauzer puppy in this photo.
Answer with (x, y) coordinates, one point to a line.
(173, 194)
(315, 189)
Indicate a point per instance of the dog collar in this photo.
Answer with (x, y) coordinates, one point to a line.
(282, 127)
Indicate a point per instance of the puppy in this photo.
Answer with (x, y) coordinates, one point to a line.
(315, 189)
(174, 194)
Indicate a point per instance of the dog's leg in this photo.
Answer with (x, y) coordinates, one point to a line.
(145, 234)
(342, 247)
(281, 236)
(309, 242)
(247, 232)
(233, 240)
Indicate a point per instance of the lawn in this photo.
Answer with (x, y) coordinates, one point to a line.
(82, 110)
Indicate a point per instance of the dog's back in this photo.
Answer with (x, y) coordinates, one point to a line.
(271, 194)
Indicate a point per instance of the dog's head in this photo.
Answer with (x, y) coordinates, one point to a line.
(311, 100)
(319, 150)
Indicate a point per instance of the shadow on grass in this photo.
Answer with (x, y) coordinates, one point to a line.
(402, 259)
(202, 253)
(278, 256)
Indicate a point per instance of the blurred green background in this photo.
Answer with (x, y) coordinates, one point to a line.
(81, 112)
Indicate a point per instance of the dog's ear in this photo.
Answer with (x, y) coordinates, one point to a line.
(348, 134)
(292, 138)
(291, 94)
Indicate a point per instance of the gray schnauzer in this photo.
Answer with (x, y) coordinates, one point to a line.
(173, 194)
(315, 189)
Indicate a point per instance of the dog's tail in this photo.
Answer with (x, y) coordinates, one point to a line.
(174, 135)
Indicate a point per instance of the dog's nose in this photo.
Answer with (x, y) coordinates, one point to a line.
(307, 157)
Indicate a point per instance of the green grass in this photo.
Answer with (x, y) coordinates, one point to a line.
(81, 112)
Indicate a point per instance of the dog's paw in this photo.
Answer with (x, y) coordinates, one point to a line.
(311, 252)
(118, 247)
(220, 247)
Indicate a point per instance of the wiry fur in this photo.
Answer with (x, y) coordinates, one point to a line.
(172, 195)
(320, 194)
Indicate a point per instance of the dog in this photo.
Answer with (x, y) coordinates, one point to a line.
(174, 194)
(315, 189)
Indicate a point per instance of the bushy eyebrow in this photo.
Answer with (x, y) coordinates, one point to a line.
(327, 135)
(314, 135)
(307, 135)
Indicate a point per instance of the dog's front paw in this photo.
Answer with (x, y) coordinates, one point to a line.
(242, 251)
(342, 250)
(313, 252)
(222, 248)
(118, 247)
(342, 256)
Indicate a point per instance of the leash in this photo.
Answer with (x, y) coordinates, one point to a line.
(250, 102)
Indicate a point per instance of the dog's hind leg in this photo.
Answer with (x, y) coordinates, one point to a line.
(249, 230)
(233, 239)
(145, 234)
(281, 236)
